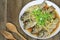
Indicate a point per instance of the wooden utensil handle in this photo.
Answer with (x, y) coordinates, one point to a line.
(21, 36)
(11, 39)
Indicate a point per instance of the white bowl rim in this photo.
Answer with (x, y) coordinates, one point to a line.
(23, 10)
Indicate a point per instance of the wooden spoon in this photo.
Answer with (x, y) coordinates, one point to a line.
(7, 35)
(12, 28)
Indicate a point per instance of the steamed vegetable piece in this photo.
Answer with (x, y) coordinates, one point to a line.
(36, 29)
(25, 16)
(29, 24)
(40, 19)
(41, 34)
(52, 25)
(51, 8)
(43, 5)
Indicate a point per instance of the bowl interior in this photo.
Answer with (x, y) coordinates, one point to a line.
(35, 3)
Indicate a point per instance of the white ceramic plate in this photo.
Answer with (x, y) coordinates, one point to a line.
(35, 3)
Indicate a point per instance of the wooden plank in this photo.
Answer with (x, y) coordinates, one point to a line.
(3, 10)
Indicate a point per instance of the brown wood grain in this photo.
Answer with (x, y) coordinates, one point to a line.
(13, 9)
(3, 11)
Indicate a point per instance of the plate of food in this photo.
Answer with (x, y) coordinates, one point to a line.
(40, 19)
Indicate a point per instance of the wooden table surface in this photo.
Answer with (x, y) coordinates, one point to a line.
(11, 9)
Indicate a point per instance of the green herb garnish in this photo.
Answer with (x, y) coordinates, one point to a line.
(41, 16)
